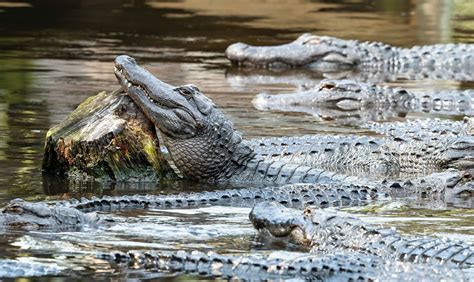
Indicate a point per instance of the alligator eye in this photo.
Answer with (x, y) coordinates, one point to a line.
(328, 86)
(185, 91)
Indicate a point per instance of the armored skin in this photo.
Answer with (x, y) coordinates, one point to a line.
(330, 54)
(204, 145)
(351, 102)
(327, 231)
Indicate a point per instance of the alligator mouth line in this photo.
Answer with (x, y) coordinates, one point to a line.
(296, 235)
(279, 62)
(122, 75)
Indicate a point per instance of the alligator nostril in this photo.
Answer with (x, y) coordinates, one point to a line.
(236, 49)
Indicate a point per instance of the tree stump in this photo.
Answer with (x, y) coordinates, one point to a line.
(106, 138)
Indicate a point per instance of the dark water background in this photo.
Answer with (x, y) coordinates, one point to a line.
(54, 56)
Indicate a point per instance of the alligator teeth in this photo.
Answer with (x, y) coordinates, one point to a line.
(129, 85)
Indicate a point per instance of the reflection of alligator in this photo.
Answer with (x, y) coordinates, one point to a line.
(204, 145)
(349, 101)
(325, 231)
(76, 214)
(10, 268)
(283, 265)
(329, 54)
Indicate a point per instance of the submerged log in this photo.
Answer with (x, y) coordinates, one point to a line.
(107, 138)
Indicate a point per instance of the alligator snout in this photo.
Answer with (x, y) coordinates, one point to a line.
(261, 102)
(124, 59)
(236, 52)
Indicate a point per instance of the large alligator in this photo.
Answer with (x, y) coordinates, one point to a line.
(330, 54)
(326, 231)
(283, 265)
(372, 157)
(203, 144)
(76, 214)
(349, 101)
(405, 149)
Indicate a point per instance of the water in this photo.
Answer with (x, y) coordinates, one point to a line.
(53, 57)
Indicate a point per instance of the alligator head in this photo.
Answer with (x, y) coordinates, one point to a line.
(202, 142)
(310, 229)
(274, 219)
(321, 53)
(27, 215)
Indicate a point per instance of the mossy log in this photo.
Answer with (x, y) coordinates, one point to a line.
(108, 138)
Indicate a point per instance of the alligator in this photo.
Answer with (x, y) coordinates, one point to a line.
(372, 157)
(444, 185)
(281, 265)
(327, 231)
(418, 130)
(76, 214)
(348, 101)
(330, 54)
(203, 144)
(39, 215)
(431, 144)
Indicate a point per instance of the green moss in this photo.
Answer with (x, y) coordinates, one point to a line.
(150, 150)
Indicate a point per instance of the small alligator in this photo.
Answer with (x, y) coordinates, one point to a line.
(349, 101)
(326, 231)
(330, 54)
(30, 215)
(283, 265)
(203, 144)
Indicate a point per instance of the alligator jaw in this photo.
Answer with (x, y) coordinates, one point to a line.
(165, 107)
(281, 225)
(316, 52)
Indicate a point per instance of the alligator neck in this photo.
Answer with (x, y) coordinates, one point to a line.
(214, 153)
(374, 54)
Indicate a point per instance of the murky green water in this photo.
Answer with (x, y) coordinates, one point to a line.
(52, 58)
